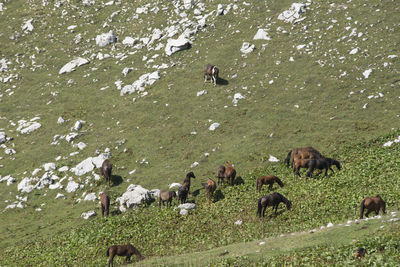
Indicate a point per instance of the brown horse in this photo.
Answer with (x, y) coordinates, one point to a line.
(105, 170)
(166, 196)
(123, 250)
(270, 180)
(230, 173)
(213, 72)
(272, 200)
(372, 204)
(322, 163)
(360, 253)
(303, 153)
(105, 203)
(183, 192)
(187, 179)
(210, 187)
(221, 174)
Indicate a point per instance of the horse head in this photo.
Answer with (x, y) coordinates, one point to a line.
(190, 175)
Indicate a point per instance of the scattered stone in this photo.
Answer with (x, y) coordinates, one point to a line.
(329, 225)
(72, 187)
(129, 41)
(273, 159)
(26, 127)
(90, 197)
(367, 73)
(49, 166)
(293, 13)
(106, 39)
(59, 195)
(60, 120)
(187, 206)
(174, 185)
(27, 26)
(247, 48)
(175, 45)
(134, 195)
(238, 222)
(261, 35)
(3, 137)
(25, 185)
(140, 84)
(213, 126)
(87, 215)
(236, 98)
(73, 64)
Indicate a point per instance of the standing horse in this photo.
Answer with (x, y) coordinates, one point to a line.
(272, 200)
(105, 203)
(210, 187)
(213, 72)
(230, 173)
(221, 174)
(105, 170)
(166, 196)
(303, 153)
(123, 250)
(187, 179)
(322, 163)
(183, 192)
(372, 204)
(270, 180)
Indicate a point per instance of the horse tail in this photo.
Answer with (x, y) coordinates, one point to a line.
(259, 207)
(279, 181)
(108, 252)
(362, 209)
(287, 160)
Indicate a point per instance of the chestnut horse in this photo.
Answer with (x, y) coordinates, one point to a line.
(270, 180)
(166, 196)
(221, 174)
(230, 173)
(303, 153)
(372, 204)
(105, 170)
(213, 72)
(123, 250)
(272, 200)
(105, 203)
(210, 187)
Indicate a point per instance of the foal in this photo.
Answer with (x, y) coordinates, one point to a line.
(322, 163)
(230, 173)
(221, 174)
(372, 204)
(213, 72)
(123, 250)
(105, 170)
(270, 180)
(166, 196)
(105, 203)
(272, 200)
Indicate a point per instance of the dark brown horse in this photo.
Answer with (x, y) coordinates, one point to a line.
(221, 174)
(210, 187)
(166, 196)
(230, 173)
(321, 164)
(105, 203)
(270, 180)
(123, 250)
(213, 72)
(360, 253)
(302, 153)
(183, 192)
(105, 170)
(372, 204)
(272, 200)
(187, 179)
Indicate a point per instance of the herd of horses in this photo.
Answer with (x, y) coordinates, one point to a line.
(305, 157)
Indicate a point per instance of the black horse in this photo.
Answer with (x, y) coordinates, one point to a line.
(272, 200)
(321, 164)
(183, 192)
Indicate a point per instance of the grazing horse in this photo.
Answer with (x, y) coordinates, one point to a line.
(303, 153)
(187, 179)
(210, 187)
(123, 250)
(372, 204)
(221, 174)
(270, 180)
(360, 253)
(322, 163)
(272, 200)
(105, 170)
(105, 203)
(183, 192)
(230, 173)
(211, 71)
(166, 196)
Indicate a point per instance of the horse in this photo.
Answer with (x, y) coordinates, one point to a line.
(230, 173)
(272, 200)
(123, 250)
(211, 71)
(187, 179)
(210, 187)
(221, 174)
(105, 203)
(270, 180)
(372, 204)
(322, 163)
(360, 253)
(302, 152)
(183, 192)
(166, 196)
(105, 170)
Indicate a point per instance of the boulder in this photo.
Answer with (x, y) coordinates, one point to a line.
(3, 137)
(106, 39)
(25, 185)
(26, 127)
(187, 206)
(72, 187)
(129, 41)
(293, 13)
(175, 45)
(188, 4)
(45, 180)
(49, 166)
(90, 197)
(261, 35)
(134, 195)
(89, 164)
(73, 64)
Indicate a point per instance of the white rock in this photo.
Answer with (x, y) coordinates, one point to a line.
(89, 164)
(106, 39)
(202, 92)
(134, 195)
(174, 185)
(129, 41)
(187, 206)
(49, 166)
(90, 197)
(367, 73)
(329, 225)
(45, 180)
(236, 98)
(183, 212)
(238, 222)
(175, 45)
(3, 137)
(261, 35)
(354, 51)
(10, 181)
(73, 64)
(55, 186)
(26, 127)
(59, 195)
(293, 13)
(125, 71)
(78, 125)
(27, 26)
(188, 4)
(60, 120)
(70, 137)
(213, 126)
(87, 215)
(247, 48)
(194, 164)
(25, 185)
(72, 187)
(220, 10)
(81, 145)
(273, 159)
(261, 243)
(63, 169)
(140, 84)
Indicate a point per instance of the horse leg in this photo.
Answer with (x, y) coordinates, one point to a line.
(276, 210)
(205, 77)
(102, 210)
(366, 215)
(110, 261)
(270, 187)
(264, 208)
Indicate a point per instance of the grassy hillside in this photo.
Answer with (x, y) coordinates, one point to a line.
(302, 87)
